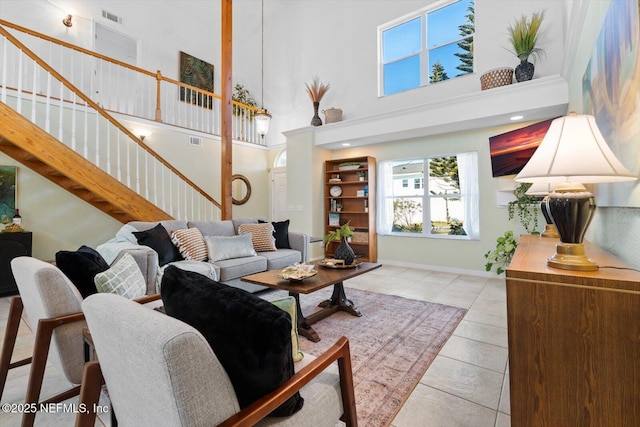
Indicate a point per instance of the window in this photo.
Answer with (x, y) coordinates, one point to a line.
(429, 46)
(405, 183)
(444, 196)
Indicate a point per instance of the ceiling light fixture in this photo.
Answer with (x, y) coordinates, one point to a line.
(262, 116)
(514, 118)
(67, 21)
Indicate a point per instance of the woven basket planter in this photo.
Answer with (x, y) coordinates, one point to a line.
(496, 77)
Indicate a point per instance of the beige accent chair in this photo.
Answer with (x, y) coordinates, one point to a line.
(162, 372)
(52, 305)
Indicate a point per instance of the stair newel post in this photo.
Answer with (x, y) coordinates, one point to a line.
(158, 110)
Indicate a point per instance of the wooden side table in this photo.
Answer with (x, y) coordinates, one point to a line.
(12, 245)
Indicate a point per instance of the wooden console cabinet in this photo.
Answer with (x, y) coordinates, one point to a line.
(574, 340)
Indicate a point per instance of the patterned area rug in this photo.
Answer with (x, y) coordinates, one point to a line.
(392, 345)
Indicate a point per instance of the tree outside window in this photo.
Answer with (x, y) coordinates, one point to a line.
(429, 46)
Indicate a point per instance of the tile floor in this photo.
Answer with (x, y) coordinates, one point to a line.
(466, 385)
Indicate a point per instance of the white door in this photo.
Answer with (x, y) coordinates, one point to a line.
(116, 87)
(279, 192)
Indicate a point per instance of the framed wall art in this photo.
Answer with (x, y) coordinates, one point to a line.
(8, 192)
(198, 73)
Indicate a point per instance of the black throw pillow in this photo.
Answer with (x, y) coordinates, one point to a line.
(250, 336)
(81, 267)
(158, 239)
(281, 233)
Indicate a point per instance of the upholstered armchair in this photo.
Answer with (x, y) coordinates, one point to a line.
(162, 372)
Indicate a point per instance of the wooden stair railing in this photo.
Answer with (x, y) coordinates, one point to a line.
(39, 151)
(36, 148)
(163, 93)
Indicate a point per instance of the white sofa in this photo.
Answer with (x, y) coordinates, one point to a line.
(228, 271)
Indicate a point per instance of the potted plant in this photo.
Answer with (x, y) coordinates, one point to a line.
(362, 175)
(524, 35)
(343, 251)
(502, 254)
(316, 91)
(242, 95)
(526, 207)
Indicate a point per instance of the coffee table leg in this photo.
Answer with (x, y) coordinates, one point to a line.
(304, 328)
(340, 301)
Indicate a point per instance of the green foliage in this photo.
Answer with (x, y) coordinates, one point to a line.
(501, 256)
(404, 211)
(242, 95)
(345, 230)
(456, 229)
(438, 73)
(524, 36)
(466, 45)
(526, 207)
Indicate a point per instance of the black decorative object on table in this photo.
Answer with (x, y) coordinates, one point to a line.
(345, 252)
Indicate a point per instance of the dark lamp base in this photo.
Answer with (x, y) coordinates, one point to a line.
(571, 256)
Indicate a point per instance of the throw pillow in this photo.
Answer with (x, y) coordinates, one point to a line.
(261, 236)
(159, 240)
(190, 243)
(81, 267)
(289, 305)
(281, 233)
(227, 247)
(250, 336)
(124, 278)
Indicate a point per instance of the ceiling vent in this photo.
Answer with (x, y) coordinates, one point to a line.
(195, 140)
(112, 17)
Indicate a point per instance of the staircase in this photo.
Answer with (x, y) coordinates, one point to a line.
(51, 126)
(42, 153)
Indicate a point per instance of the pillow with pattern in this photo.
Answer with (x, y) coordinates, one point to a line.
(190, 243)
(261, 236)
(124, 278)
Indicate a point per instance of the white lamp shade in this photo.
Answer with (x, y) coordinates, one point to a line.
(262, 118)
(574, 149)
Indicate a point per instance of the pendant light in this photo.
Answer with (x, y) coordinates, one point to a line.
(262, 116)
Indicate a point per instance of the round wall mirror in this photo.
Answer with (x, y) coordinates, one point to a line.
(240, 189)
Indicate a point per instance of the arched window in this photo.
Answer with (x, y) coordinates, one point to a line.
(281, 159)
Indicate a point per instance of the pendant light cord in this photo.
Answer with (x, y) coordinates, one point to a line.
(262, 57)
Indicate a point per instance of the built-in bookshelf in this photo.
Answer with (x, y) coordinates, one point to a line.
(350, 196)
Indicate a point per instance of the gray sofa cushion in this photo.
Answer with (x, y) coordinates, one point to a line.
(281, 258)
(238, 267)
(214, 228)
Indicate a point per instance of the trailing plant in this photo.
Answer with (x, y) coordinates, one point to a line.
(501, 256)
(526, 207)
(345, 230)
(524, 36)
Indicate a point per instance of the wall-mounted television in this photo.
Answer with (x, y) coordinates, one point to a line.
(510, 151)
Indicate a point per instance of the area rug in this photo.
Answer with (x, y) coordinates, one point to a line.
(392, 345)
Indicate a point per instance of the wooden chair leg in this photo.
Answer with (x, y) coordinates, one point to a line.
(349, 417)
(92, 381)
(9, 342)
(38, 364)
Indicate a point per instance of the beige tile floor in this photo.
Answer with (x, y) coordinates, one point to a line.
(466, 385)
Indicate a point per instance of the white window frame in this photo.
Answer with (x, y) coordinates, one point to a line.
(469, 193)
(424, 53)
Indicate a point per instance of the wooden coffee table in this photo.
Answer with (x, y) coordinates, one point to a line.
(325, 277)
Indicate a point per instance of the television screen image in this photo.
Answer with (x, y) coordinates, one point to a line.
(512, 150)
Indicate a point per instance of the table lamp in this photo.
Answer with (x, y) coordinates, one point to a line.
(573, 153)
(543, 189)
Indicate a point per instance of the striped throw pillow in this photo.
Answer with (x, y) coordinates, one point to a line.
(190, 243)
(261, 236)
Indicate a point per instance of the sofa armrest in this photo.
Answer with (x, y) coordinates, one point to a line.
(300, 242)
(147, 260)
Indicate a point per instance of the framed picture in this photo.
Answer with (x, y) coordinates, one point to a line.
(8, 192)
(198, 73)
